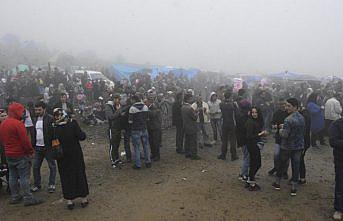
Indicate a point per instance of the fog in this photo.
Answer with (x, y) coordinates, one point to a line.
(235, 36)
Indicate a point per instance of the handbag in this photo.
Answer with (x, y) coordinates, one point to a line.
(57, 151)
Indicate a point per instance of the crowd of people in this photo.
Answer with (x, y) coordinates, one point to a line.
(297, 115)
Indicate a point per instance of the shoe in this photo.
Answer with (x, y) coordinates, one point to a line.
(84, 204)
(242, 178)
(246, 185)
(33, 202)
(148, 165)
(315, 145)
(188, 156)
(135, 167)
(195, 157)
(337, 215)
(271, 172)
(254, 187)
(70, 206)
(323, 144)
(221, 157)
(51, 188)
(234, 158)
(301, 182)
(35, 189)
(180, 151)
(155, 158)
(293, 192)
(276, 186)
(16, 201)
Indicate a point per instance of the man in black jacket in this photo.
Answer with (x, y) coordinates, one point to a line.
(65, 105)
(41, 140)
(113, 113)
(189, 119)
(177, 122)
(336, 142)
(279, 117)
(228, 128)
(154, 129)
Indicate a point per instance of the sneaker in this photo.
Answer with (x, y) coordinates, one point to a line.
(301, 182)
(33, 202)
(148, 165)
(337, 215)
(135, 167)
(276, 186)
(254, 187)
(271, 172)
(242, 178)
(51, 188)
(234, 158)
(221, 157)
(293, 192)
(195, 157)
(16, 200)
(35, 189)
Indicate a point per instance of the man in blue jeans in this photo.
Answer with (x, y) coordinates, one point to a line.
(292, 143)
(41, 140)
(19, 152)
(138, 115)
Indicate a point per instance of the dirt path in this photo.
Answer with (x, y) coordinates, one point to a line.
(180, 189)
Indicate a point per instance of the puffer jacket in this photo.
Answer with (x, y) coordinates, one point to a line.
(13, 133)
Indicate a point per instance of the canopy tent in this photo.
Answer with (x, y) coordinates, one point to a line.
(122, 71)
(292, 76)
(189, 73)
(20, 68)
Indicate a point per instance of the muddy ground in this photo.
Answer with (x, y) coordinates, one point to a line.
(179, 189)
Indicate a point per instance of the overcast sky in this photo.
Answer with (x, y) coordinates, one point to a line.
(237, 36)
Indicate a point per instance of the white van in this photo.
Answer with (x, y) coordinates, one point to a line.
(95, 75)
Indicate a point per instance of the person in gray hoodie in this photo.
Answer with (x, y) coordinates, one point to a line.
(215, 115)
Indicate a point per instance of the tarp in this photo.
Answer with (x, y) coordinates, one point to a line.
(122, 71)
(20, 68)
(292, 76)
(189, 73)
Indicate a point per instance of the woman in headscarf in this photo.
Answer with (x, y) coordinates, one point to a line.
(71, 165)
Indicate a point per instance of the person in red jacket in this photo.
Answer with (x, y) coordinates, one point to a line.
(19, 152)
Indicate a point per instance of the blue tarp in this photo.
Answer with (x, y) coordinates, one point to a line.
(122, 71)
(292, 76)
(189, 73)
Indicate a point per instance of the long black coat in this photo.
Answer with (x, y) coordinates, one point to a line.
(72, 166)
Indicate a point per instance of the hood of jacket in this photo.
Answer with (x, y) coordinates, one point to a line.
(212, 93)
(16, 110)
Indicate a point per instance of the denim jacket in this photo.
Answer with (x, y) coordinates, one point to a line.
(293, 131)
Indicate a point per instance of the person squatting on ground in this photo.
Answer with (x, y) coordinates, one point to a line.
(154, 129)
(138, 116)
(292, 144)
(336, 142)
(215, 116)
(254, 132)
(42, 140)
(228, 127)
(189, 119)
(71, 166)
(19, 154)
